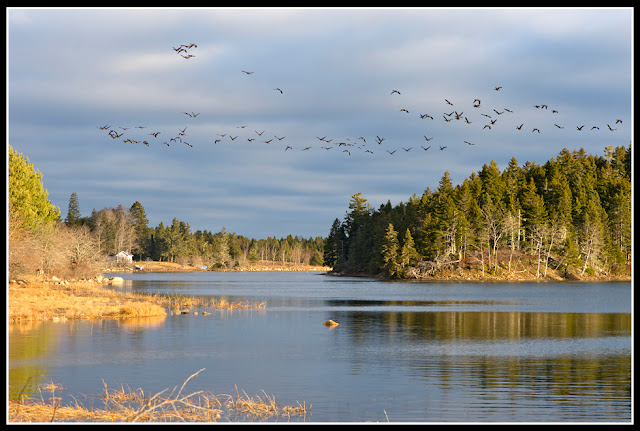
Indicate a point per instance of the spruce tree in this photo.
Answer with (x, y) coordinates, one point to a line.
(390, 251)
(73, 215)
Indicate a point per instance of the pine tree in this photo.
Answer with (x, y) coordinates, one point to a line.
(334, 245)
(28, 200)
(390, 251)
(73, 215)
(408, 253)
(141, 230)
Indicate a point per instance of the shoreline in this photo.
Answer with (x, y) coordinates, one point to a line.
(36, 299)
(157, 266)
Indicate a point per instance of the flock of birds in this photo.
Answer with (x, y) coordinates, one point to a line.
(489, 119)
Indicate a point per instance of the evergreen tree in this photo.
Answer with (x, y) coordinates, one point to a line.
(27, 198)
(390, 251)
(73, 215)
(408, 253)
(142, 231)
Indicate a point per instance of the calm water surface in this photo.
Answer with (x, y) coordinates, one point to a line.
(427, 352)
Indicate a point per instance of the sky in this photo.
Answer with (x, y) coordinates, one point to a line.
(105, 104)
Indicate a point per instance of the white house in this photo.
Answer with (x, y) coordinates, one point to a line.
(124, 257)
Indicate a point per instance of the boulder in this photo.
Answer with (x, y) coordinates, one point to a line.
(330, 323)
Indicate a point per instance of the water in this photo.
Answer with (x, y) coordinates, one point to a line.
(403, 352)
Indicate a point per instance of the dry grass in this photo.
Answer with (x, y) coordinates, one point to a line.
(126, 406)
(38, 301)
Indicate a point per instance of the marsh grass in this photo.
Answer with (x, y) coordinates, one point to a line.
(124, 405)
(82, 300)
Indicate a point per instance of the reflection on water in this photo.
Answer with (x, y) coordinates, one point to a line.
(428, 356)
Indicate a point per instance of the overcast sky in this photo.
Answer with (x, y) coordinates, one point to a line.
(72, 72)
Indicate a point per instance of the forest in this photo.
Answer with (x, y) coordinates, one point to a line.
(572, 214)
(120, 228)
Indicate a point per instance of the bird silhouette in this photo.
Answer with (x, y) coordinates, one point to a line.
(248, 73)
(442, 148)
(426, 148)
(395, 91)
(448, 102)
(277, 89)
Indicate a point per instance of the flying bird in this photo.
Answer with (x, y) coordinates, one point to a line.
(442, 148)
(395, 91)
(277, 89)
(497, 88)
(248, 73)
(448, 102)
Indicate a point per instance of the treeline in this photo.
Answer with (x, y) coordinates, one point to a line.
(118, 229)
(573, 214)
(41, 243)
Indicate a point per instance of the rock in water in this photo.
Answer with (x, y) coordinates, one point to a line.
(330, 323)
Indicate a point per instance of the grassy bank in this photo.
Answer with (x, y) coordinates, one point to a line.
(156, 266)
(38, 301)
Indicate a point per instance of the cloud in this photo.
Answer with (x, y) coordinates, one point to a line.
(70, 72)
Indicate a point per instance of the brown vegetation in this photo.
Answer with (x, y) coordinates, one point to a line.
(122, 405)
(263, 265)
(35, 301)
